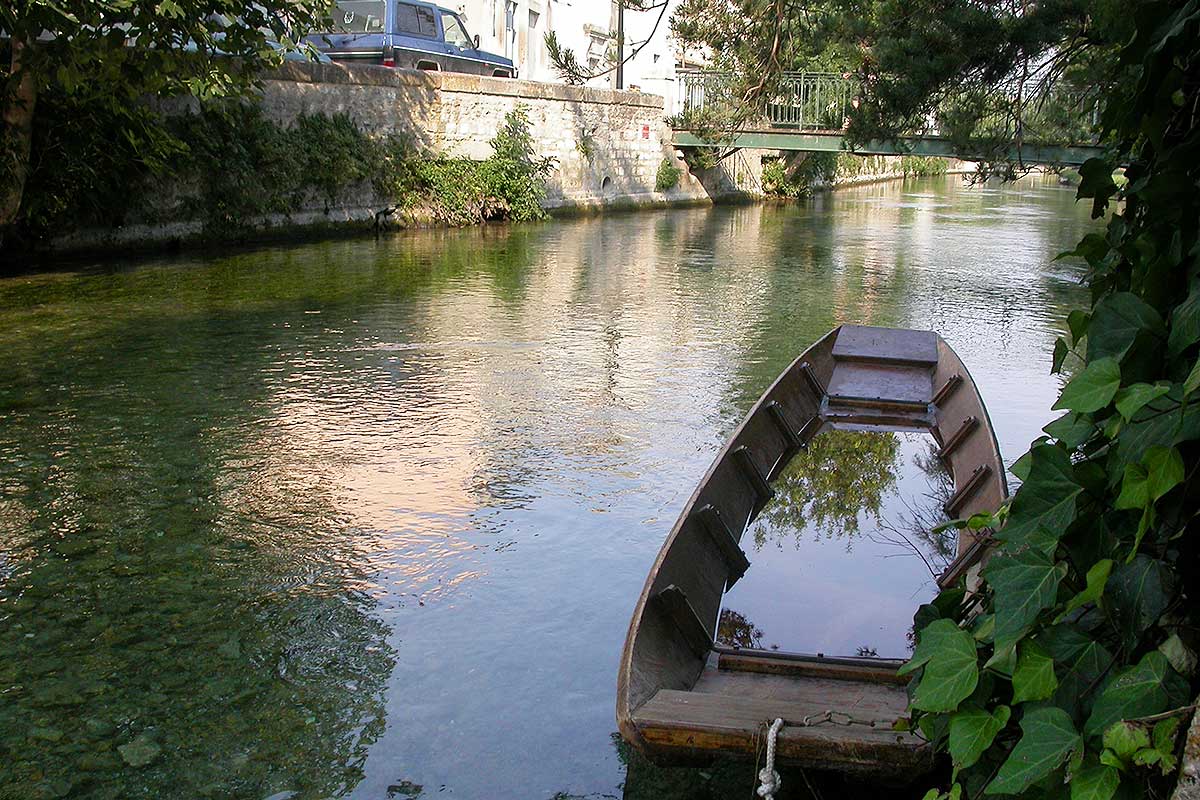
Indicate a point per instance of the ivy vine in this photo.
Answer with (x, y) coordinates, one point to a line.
(1071, 668)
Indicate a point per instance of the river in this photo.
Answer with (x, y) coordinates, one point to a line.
(368, 518)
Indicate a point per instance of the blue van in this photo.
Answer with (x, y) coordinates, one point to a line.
(405, 33)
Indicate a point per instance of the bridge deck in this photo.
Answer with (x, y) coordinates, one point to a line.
(833, 141)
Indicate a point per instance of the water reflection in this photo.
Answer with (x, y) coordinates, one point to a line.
(368, 518)
(828, 485)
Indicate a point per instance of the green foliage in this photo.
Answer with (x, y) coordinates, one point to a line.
(1088, 639)
(667, 177)
(987, 74)
(814, 169)
(234, 166)
(98, 66)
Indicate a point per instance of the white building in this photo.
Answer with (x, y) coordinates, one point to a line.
(517, 29)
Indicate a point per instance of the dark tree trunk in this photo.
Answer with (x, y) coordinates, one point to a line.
(16, 128)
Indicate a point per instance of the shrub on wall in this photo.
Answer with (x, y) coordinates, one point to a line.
(667, 177)
(228, 166)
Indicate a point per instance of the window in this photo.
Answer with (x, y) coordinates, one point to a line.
(533, 41)
(455, 33)
(415, 21)
(356, 16)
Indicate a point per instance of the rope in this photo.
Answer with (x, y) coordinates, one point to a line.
(768, 778)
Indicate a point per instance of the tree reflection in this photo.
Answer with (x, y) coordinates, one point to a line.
(917, 531)
(734, 630)
(827, 485)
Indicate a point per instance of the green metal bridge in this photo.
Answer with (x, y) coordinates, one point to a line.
(809, 112)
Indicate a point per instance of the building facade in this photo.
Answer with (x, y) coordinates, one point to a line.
(517, 29)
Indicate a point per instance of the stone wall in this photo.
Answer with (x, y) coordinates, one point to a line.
(607, 145)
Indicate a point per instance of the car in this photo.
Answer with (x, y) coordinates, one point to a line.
(408, 34)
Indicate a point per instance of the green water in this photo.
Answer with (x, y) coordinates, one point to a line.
(368, 518)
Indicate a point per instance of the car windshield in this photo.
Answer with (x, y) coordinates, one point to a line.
(356, 16)
(456, 34)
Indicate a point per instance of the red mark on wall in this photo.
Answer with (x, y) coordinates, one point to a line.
(645, 131)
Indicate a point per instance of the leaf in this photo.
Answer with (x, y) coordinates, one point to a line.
(1192, 383)
(1071, 429)
(1135, 491)
(951, 666)
(1182, 657)
(1078, 321)
(1092, 389)
(1146, 688)
(1095, 783)
(1034, 678)
(1096, 182)
(1024, 584)
(972, 731)
(1047, 497)
(1116, 322)
(1137, 594)
(1164, 470)
(1048, 738)
(1130, 399)
(1124, 739)
(1097, 577)
(1185, 325)
(1164, 734)
(1060, 354)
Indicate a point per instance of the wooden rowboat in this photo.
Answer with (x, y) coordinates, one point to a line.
(683, 699)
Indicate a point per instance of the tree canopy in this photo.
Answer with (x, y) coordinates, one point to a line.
(990, 73)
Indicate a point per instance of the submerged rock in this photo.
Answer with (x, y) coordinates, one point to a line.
(140, 752)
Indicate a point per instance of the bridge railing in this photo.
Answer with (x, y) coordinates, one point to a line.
(800, 100)
(822, 101)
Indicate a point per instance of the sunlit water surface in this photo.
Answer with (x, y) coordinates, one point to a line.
(368, 519)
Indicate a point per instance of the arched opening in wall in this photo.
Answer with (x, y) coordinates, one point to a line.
(606, 187)
(432, 66)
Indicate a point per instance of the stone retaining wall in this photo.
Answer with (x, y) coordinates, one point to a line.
(607, 145)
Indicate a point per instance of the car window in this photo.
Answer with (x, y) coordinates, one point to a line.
(456, 34)
(415, 21)
(356, 16)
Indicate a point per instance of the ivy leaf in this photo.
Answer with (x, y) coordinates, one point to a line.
(1097, 577)
(1095, 783)
(1185, 325)
(1135, 492)
(1164, 734)
(1024, 584)
(972, 731)
(1182, 657)
(1071, 429)
(1117, 321)
(1047, 497)
(1164, 470)
(1192, 383)
(1096, 182)
(1060, 354)
(1083, 662)
(951, 667)
(1048, 738)
(1138, 593)
(1131, 399)
(1146, 688)
(1078, 321)
(1034, 678)
(1092, 389)
(1123, 739)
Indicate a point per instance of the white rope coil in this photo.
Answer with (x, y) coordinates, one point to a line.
(768, 779)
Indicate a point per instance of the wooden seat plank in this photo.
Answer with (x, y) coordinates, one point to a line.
(877, 384)
(865, 343)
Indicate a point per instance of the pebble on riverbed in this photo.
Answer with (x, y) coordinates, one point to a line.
(140, 752)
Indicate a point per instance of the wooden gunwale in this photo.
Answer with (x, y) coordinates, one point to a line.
(657, 660)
